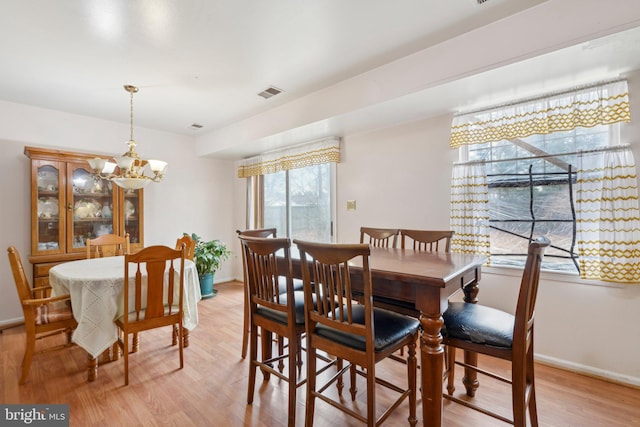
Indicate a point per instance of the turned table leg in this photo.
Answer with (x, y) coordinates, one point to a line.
(92, 368)
(431, 367)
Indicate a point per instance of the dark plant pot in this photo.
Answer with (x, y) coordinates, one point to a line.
(206, 286)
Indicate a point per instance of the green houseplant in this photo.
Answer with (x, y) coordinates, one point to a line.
(208, 257)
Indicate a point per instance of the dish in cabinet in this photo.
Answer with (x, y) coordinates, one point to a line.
(129, 209)
(47, 207)
(87, 208)
(47, 181)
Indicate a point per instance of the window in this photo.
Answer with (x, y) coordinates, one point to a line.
(293, 190)
(299, 202)
(532, 192)
(550, 166)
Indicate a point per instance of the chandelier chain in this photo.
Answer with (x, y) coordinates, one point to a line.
(131, 117)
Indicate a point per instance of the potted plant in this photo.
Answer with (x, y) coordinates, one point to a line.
(208, 256)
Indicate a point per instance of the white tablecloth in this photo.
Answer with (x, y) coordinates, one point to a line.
(96, 287)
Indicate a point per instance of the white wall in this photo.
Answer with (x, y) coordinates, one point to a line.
(195, 196)
(400, 177)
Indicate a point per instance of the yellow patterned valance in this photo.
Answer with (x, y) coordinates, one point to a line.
(299, 156)
(588, 107)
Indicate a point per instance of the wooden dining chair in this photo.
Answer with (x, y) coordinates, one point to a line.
(246, 326)
(426, 240)
(43, 316)
(273, 312)
(380, 237)
(108, 245)
(154, 304)
(358, 333)
(485, 330)
(190, 246)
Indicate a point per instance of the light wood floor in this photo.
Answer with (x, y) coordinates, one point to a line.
(211, 389)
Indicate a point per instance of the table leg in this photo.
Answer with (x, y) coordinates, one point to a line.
(92, 367)
(431, 366)
(115, 351)
(470, 379)
(185, 337)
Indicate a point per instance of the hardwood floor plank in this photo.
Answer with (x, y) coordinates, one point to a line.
(211, 390)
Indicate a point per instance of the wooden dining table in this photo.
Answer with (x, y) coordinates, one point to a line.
(420, 283)
(96, 287)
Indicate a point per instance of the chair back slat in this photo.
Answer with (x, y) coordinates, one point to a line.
(154, 295)
(258, 232)
(19, 276)
(327, 267)
(426, 240)
(266, 260)
(380, 237)
(108, 245)
(190, 246)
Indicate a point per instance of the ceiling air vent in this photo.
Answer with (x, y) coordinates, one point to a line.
(481, 1)
(196, 126)
(269, 92)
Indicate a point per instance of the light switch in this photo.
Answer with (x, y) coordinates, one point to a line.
(351, 205)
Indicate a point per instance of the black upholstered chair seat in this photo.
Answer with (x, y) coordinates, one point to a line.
(389, 328)
(478, 324)
(282, 284)
(280, 316)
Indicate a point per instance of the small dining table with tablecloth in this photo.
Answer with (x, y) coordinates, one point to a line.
(96, 287)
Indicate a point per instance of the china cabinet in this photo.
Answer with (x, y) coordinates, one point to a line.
(70, 205)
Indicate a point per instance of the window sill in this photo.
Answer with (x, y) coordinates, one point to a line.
(546, 275)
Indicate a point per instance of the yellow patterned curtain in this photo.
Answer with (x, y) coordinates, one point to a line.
(588, 107)
(299, 156)
(470, 209)
(608, 225)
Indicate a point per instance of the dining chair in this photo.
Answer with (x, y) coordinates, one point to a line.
(380, 237)
(358, 333)
(43, 316)
(154, 303)
(190, 245)
(426, 240)
(108, 245)
(484, 330)
(266, 261)
(246, 326)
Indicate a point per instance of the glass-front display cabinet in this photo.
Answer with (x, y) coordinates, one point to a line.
(70, 205)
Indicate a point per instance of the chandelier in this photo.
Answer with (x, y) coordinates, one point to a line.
(131, 168)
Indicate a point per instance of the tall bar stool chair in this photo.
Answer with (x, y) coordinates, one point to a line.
(485, 330)
(358, 333)
(273, 312)
(246, 326)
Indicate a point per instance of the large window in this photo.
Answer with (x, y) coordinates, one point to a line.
(293, 190)
(549, 166)
(532, 192)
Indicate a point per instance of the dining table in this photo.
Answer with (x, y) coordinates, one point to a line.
(96, 288)
(421, 283)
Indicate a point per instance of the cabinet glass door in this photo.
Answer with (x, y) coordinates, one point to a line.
(132, 216)
(50, 208)
(91, 207)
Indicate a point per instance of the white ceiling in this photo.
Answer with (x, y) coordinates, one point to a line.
(204, 61)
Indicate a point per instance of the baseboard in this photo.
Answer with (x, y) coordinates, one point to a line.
(589, 371)
(10, 323)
